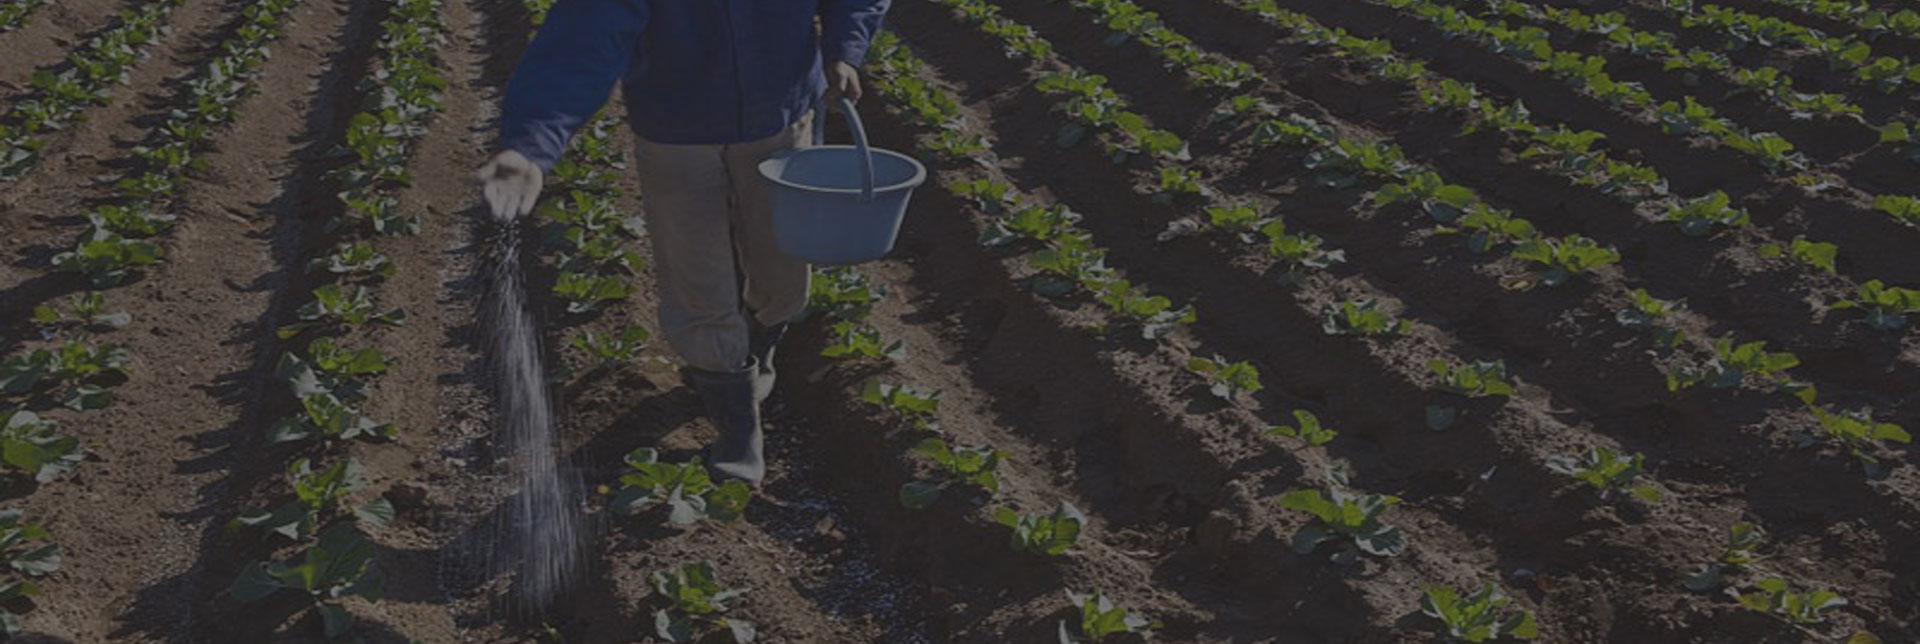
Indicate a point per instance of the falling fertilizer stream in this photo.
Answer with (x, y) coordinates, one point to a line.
(543, 526)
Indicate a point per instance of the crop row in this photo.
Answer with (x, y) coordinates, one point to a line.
(1659, 46)
(15, 13)
(1905, 22)
(1053, 532)
(1603, 469)
(1743, 29)
(122, 235)
(84, 80)
(326, 374)
(1571, 154)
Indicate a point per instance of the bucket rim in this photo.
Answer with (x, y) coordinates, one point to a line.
(919, 171)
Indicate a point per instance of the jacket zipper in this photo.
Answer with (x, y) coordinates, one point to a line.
(739, 89)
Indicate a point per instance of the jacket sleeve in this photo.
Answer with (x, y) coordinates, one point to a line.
(567, 74)
(847, 28)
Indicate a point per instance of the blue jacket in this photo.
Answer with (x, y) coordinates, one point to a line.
(696, 71)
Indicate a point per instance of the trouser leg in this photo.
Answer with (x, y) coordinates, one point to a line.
(687, 201)
(774, 285)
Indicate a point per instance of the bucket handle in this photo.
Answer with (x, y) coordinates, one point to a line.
(859, 140)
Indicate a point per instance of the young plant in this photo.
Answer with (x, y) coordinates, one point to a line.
(911, 407)
(1043, 534)
(685, 488)
(323, 416)
(1100, 619)
(1647, 314)
(1608, 472)
(1297, 253)
(334, 306)
(697, 605)
(609, 349)
(1361, 317)
(1068, 262)
(24, 548)
(1344, 516)
(841, 293)
(1228, 380)
(1038, 223)
(89, 309)
(856, 340)
(107, 259)
(1696, 217)
(331, 369)
(990, 195)
(29, 444)
(1442, 201)
(1473, 379)
(1731, 365)
(1861, 435)
(1487, 227)
(1177, 181)
(1477, 617)
(339, 565)
(1742, 539)
(76, 367)
(1235, 218)
(1154, 313)
(1774, 597)
(1886, 307)
(316, 494)
(957, 465)
(1306, 427)
(584, 292)
(1564, 258)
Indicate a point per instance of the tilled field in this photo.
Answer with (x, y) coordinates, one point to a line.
(1582, 292)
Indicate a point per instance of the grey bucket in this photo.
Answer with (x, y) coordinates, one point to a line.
(835, 205)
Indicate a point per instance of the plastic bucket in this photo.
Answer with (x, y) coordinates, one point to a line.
(839, 204)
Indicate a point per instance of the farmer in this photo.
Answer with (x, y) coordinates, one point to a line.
(712, 88)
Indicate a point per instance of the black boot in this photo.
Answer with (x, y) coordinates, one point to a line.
(761, 341)
(734, 408)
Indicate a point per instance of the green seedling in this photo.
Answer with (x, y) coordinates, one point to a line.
(329, 368)
(1043, 534)
(1731, 365)
(855, 340)
(1361, 317)
(584, 292)
(1478, 617)
(1886, 307)
(1442, 201)
(1227, 380)
(1774, 597)
(1651, 316)
(1861, 435)
(973, 466)
(1608, 472)
(107, 259)
(1101, 620)
(842, 294)
(1346, 517)
(1562, 259)
(338, 566)
(697, 605)
(77, 368)
(1698, 216)
(913, 409)
(610, 349)
(990, 195)
(1153, 313)
(1038, 223)
(89, 308)
(685, 489)
(334, 306)
(1473, 379)
(1306, 427)
(316, 494)
(323, 416)
(1297, 253)
(1742, 539)
(1237, 218)
(29, 444)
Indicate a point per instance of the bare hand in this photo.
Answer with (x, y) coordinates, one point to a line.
(842, 80)
(511, 183)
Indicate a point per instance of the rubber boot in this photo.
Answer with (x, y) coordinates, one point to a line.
(733, 406)
(761, 341)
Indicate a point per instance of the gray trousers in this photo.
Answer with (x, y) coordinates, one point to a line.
(711, 228)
